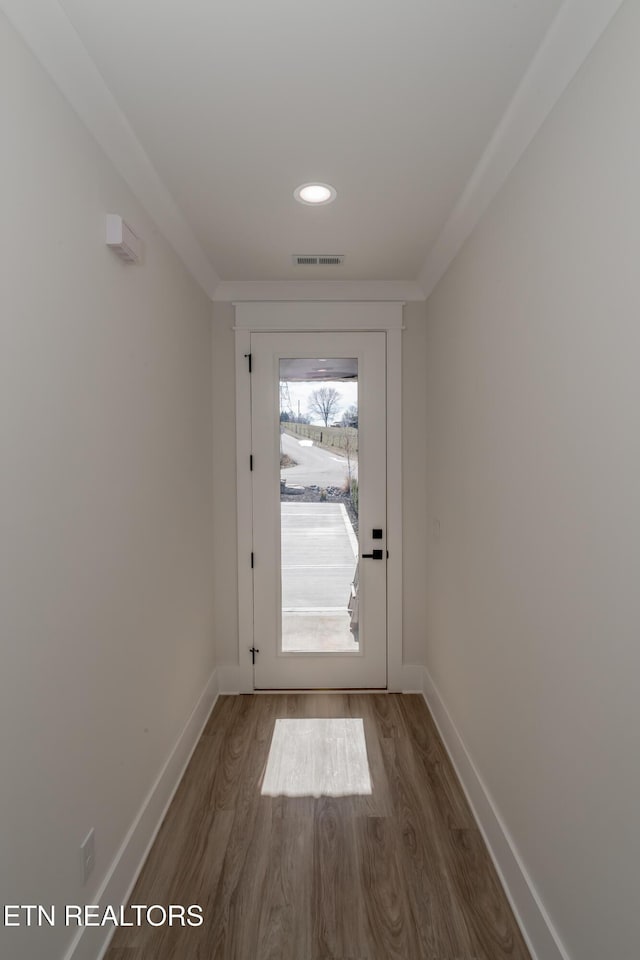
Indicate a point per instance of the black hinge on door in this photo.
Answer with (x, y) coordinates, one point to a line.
(250, 461)
(248, 356)
(252, 559)
(253, 651)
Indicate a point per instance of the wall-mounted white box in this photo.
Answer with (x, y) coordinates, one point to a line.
(122, 239)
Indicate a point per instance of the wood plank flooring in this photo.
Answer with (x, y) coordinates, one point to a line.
(397, 873)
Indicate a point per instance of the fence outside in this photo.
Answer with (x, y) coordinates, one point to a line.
(339, 438)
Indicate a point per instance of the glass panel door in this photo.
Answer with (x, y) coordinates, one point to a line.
(318, 449)
(319, 509)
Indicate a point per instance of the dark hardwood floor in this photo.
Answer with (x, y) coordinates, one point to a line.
(373, 855)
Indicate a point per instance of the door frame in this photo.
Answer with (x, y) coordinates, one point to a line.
(321, 317)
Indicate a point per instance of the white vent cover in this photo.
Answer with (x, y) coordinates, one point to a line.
(122, 239)
(318, 259)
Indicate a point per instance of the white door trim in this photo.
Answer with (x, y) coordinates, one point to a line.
(305, 316)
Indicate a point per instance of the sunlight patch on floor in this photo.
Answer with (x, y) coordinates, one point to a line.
(317, 758)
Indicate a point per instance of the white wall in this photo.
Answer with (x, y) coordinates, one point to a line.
(533, 465)
(414, 466)
(106, 505)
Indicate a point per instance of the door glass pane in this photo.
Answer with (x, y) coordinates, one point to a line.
(319, 505)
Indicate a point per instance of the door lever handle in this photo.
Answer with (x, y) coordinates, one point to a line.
(374, 555)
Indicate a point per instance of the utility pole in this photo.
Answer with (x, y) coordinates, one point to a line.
(285, 399)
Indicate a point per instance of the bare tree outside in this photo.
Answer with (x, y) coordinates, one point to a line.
(324, 403)
(350, 416)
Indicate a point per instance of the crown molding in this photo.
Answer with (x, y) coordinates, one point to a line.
(237, 291)
(51, 37)
(576, 29)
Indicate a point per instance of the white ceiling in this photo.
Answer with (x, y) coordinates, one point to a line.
(213, 111)
(236, 102)
(297, 369)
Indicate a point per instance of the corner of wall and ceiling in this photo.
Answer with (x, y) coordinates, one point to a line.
(48, 32)
(574, 32)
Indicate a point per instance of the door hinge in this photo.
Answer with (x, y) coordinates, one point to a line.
(253, 651)
(252, 559)
(250, 461)
(248, 356)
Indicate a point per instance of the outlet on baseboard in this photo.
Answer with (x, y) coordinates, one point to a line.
(88, 855)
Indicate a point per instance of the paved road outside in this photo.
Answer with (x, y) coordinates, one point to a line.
(315, 465)
(319, 551)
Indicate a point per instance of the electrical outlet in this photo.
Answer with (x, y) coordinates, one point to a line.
(88, 855)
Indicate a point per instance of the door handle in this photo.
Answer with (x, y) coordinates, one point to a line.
(374, 555)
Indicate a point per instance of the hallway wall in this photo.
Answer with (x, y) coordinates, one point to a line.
(533, 467)
(414, 471)
(106, 503)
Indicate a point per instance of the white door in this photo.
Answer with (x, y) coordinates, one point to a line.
(319, 510)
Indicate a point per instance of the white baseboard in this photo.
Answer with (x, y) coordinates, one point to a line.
(91, 943)
(235, 678)
(537, 929)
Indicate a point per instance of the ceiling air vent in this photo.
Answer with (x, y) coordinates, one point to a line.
(318, 259)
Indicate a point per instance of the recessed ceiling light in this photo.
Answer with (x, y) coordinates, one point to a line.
(314, 194)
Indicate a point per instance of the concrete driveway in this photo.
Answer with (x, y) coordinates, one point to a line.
(319, 556)
(315, 465)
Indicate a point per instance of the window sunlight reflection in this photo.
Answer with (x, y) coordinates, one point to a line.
(317, 758)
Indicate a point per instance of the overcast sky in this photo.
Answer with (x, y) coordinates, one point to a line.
(348, 391)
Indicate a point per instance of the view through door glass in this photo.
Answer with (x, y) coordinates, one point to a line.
(319, 505)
